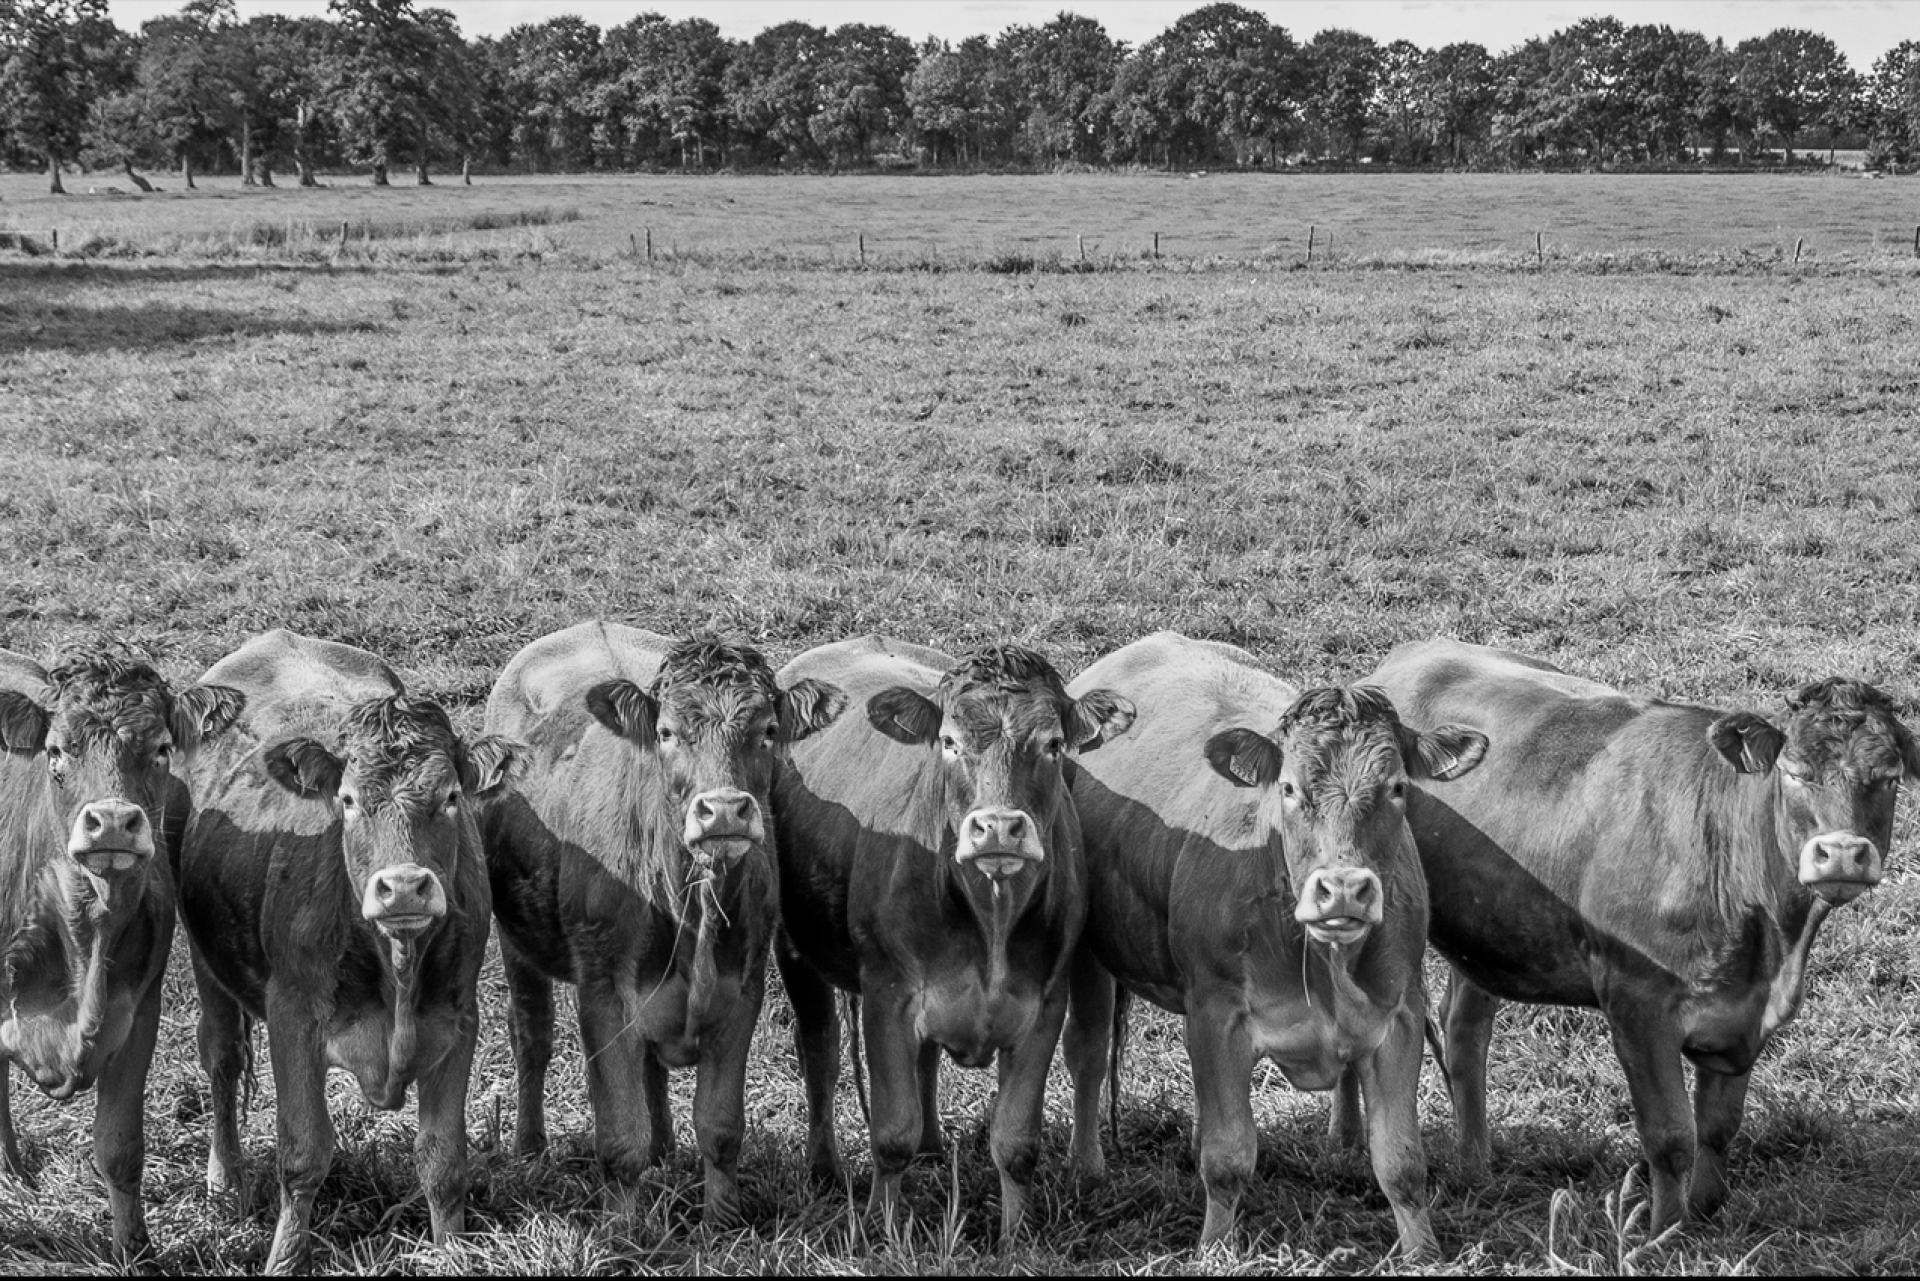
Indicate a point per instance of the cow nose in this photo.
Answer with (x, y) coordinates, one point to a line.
(112, 833)
(1341, 898)
(998, 831)
(407, 896)
(723, 814)
(1840, 866)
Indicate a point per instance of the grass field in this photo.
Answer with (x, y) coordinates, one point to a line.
(1704, 486)
(945, 219)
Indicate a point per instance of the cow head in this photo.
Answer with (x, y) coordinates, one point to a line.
(401, 786)
(1336, 775)
(1839, 760)
(110, 736)
(1003, 724)
(712, 724)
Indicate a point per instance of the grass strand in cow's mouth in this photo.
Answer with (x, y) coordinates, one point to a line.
(1342, 931)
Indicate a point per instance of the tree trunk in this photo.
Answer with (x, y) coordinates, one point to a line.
(466, 171)
(265, 167)
(420, 154)
(246, 153)
(186, 169)
(54, 186)
(304, 164)
(380, 173)
(135, 178)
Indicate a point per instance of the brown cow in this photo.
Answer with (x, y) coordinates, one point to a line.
(88, 799)
(636, 860)
(333, 884)
(1668, 865)
(931, 863)
(1268, 890)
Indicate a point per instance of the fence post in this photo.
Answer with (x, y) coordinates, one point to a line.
(1539, 249)
(649, 246)
(863, 249)
(1310, 230)
(1083, 243)
(343, 232)
(1916, 242)
(1797, 243)
(1156, 244)
(54, 235)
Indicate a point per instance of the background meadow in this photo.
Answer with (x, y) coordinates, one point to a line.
(1695, 475)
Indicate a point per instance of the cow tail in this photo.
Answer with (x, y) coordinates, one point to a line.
(850, 1004)
(249, 1068)
(1116, 1053)
(1439, 1048)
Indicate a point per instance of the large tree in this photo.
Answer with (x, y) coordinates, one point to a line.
(1894, 100)
(860, 91)
(773, 92)
(1796, 80)
(554, 72)
(56, 58)
(383, 74)
(1457, 99)
(1063, 70)
(1341, 82)
(664, 89)
(963, 100)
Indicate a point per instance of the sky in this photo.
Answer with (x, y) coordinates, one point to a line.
(1864, 29)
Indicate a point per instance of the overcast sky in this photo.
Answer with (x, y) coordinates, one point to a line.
(1864, 29)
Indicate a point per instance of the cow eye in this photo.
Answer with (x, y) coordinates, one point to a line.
(1398, 791)
(453, 799)
(163, 756)
(664, 734)
(347, 802)
(1289, 791)
(1056, 745)
(949, 743)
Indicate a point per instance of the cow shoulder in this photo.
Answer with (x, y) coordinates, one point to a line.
(22, 675)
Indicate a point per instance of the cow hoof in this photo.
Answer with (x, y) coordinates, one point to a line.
(827, 1173)
(530, 1147)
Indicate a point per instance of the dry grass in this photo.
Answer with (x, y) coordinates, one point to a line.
(1702, 486)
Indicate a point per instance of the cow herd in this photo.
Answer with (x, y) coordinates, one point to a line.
(989, 860)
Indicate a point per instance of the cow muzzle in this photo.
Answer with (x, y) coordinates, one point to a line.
(999, 842)
(404, 901)
(722, 825)
(1340, 904)
(111, 837)
(1840, 866)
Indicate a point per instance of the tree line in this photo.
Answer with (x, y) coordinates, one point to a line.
(383, 85)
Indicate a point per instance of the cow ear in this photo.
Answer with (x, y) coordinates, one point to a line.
(1442, 753)
(23, 722)
(905, 716)
(1244, 758)
(1099, 716)
(1750, 743)
(305, 768)
(626, 710)
(202, 713)
(1909, 749)
(487, 763)
(808, 706)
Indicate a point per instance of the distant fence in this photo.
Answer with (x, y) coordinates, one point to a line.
(1310, 245)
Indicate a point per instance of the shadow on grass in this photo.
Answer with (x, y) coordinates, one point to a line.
(88, 330)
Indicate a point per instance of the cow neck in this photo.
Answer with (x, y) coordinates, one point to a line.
(86, 932)
(404, 959)
(1355, 1012)
(1796, 911)
(714, 921)
(997, 909)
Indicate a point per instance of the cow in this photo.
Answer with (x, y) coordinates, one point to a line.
(1665, 864)
(1250, 869)
(635, 858)
(332, 884)
(930, 864)
(89, 809)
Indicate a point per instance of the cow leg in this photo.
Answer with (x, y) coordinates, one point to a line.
(1390, 1079)
(1220, 1049)
(440, 1146)
(653, 1082)
(616, 1059)
(223, 1057)
(816, 1040)
(932, 1142)
(1719, 1104)
(720, 1106)
(10, 1162)
(893, 1052)
(305, 1131)
(1649, 1050)
(119, 1124)
(1468, 1015)
(1018, 1113)
(1086, 1048)
(530, 1029)
(1343, 1126)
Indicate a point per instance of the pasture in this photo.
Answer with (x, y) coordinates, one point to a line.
(813, 219)
(1703, 485)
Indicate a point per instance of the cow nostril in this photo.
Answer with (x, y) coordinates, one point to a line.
(384, 888)
(134, 823)
(742, 809)
(1016, 828)
(1363, 891)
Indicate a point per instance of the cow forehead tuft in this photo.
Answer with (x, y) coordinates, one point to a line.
(1835, 721)
(704, 661)
(1009, 669)
(386, 733)
(1334, 707)
(1840, 695)
(105, 691)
